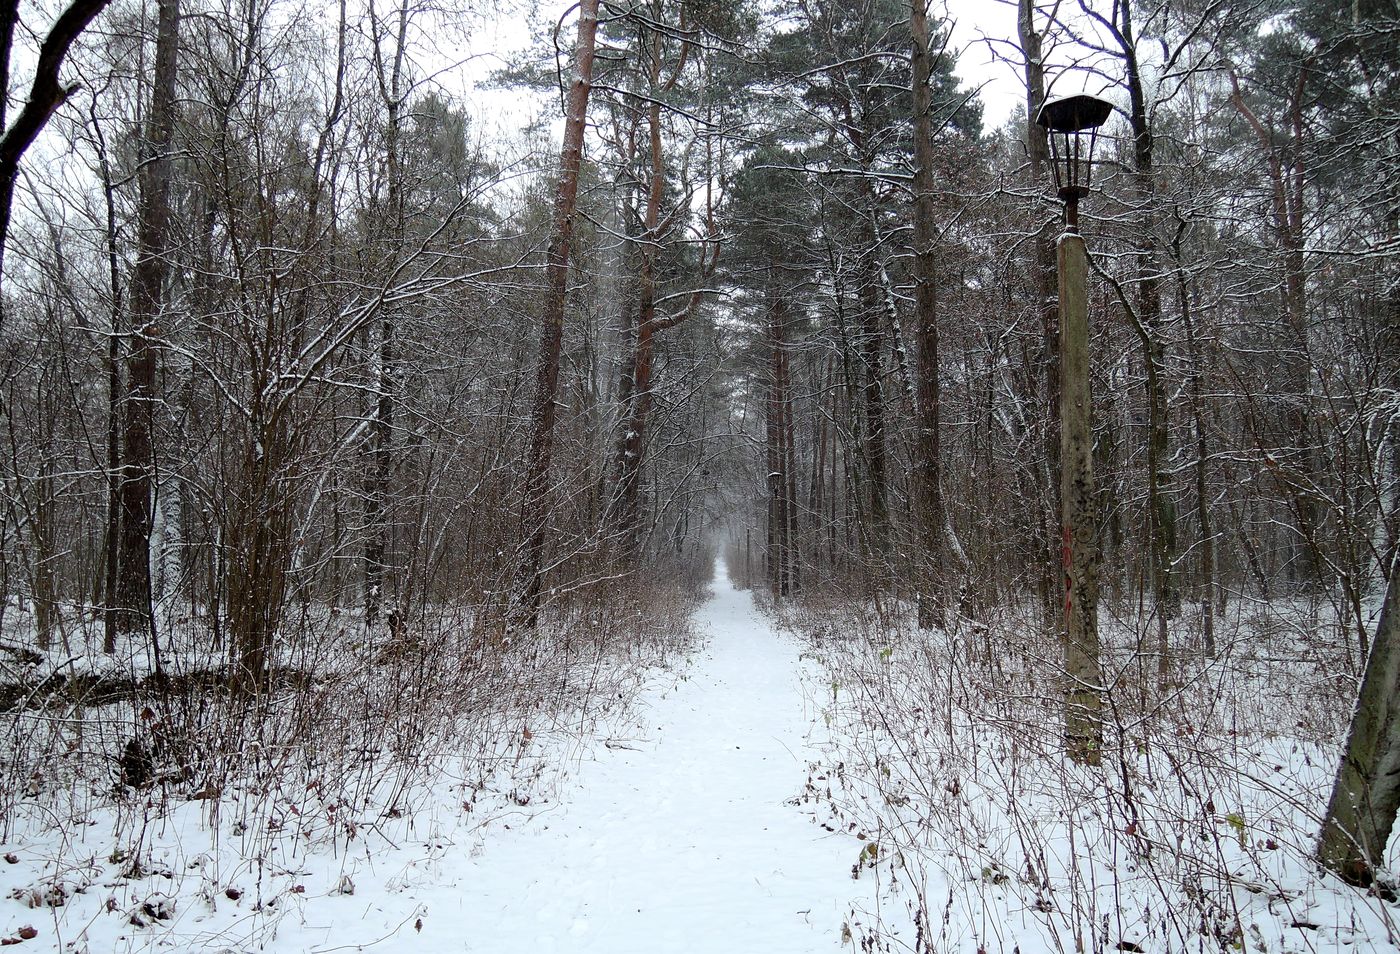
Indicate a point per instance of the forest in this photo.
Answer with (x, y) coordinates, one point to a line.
(405, 403)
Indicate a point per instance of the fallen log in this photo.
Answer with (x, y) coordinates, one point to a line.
(60, 689)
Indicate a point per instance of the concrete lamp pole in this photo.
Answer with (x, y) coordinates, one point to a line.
(1072, 125)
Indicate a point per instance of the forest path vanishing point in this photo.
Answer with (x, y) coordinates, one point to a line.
(682, 842)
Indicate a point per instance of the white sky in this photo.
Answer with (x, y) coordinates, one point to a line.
(980, 28)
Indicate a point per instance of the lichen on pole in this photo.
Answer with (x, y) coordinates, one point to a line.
(1079, 522)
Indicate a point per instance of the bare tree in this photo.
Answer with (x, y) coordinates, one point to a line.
(47, 92)
(146, 301)
(928, 491)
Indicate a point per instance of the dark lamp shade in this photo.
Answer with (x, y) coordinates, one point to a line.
(1068, 114)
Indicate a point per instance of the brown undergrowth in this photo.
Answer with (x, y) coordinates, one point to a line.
(944, 750)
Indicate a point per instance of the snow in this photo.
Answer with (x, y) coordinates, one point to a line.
(863, 788)
(1196, 833)
(680, 839)
(677, 828)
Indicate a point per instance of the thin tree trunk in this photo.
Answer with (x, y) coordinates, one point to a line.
(928, 493)
(380, 462)
(529, 582)
(111, 540)
(854, 456)
(789, 455)
(1043, 284)
(1161, 509)
(377, 468)
(774, 477)
(872, 347)
(1203, 516)
(817, 487)
(43, 537)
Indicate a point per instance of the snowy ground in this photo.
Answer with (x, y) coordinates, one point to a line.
(677, 830)
(1196, 833)
(680, 839)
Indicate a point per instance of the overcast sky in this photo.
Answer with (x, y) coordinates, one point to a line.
(980, 28)
(976, 22)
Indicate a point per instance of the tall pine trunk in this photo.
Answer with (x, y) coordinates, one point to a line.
(536, 505)
(627, 503)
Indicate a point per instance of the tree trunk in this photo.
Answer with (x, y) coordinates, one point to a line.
(377, 467)
(43, 553)
(773, 479)
(1161, 508)
(111, 538)
(782, 486)
(628, 491)
(1043, 285)
(259, 554)
(1366, 794)
(928, 493)
(536, 507)
(1203, 515)
(789, 453)
(817, 488)
(147, 302)
(872, 347)
(378, 572)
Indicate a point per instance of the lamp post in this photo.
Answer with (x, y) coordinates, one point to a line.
(1072, 124)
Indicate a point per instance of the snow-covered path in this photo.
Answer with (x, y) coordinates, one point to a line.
(678, 837)
(685, 843)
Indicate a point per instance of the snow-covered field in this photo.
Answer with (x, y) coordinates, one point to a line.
(671, 824)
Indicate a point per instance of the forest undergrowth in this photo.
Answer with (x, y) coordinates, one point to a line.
(944, 755)
(178, 813)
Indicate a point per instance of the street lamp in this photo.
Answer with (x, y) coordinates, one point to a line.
(1071, 124)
